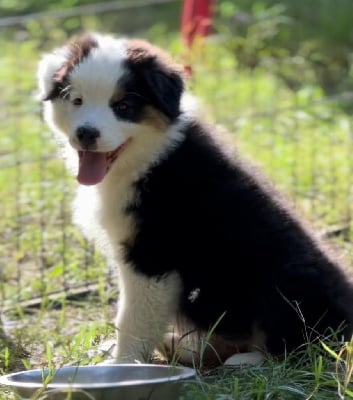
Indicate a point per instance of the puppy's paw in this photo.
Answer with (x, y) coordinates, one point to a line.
(253, 358)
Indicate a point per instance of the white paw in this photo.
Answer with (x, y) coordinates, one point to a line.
(253, 358)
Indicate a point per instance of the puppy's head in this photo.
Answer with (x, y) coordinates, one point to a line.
(107, 95)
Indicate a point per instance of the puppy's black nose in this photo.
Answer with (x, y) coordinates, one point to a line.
(87, 137)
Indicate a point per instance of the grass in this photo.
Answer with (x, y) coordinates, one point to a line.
(302, 140)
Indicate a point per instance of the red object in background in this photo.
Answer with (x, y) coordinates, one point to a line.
(196, 20)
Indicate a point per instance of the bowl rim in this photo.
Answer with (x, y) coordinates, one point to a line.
(186, 373)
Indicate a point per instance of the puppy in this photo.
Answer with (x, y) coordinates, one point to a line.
(199, 238)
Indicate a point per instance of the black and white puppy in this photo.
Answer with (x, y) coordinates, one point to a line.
(197, 235)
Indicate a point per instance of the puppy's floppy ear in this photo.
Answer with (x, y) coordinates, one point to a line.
(166, 87)
(158, 75)
(54, 68)
(47, 68)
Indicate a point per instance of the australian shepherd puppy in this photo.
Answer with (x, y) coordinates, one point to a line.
(199, 238)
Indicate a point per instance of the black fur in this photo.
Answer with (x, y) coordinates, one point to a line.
(130, 107)
(159, 86)
(230, 235)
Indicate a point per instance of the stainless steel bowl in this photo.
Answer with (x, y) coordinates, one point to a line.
(100, 382)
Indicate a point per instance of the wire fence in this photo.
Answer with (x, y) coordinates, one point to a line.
(44, 258)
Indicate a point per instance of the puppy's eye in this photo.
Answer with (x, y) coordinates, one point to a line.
(127, 108)
(121, 106)
(77, 101)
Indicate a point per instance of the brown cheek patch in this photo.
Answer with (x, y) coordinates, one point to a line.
(154, 118)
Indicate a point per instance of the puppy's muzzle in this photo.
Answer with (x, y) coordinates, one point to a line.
(87, 137)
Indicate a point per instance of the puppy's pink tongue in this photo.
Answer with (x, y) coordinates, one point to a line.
(92, 167)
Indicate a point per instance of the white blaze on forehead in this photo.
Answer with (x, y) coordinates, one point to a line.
(99, 72)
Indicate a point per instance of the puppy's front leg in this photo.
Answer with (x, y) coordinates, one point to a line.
(145, 307)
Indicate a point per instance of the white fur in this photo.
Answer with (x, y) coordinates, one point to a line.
(48, 65)
(145, 305)
(253, 358)
(145, 308)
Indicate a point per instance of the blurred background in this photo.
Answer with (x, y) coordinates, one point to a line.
(275, 76)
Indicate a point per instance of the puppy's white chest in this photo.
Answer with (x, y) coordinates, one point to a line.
(113, 216)
(100, 211)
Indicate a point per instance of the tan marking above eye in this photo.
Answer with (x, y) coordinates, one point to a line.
(117, 96)
(155, 119)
